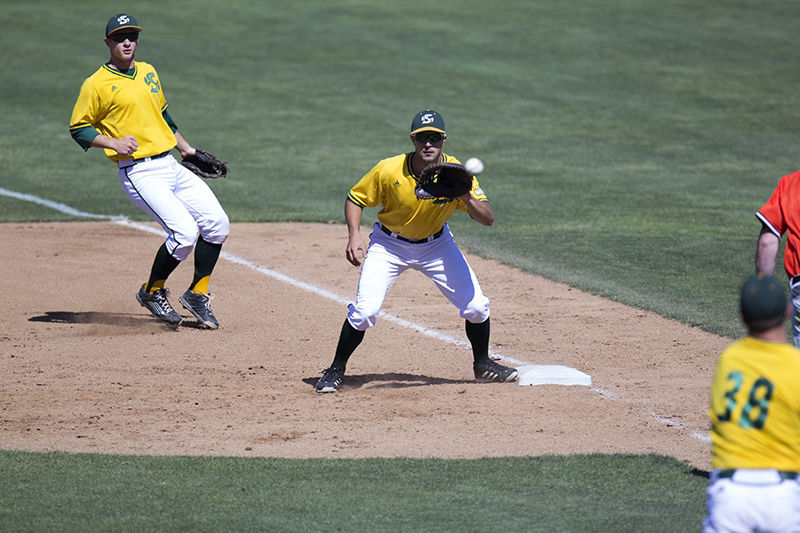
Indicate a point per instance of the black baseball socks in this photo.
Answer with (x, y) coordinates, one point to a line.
(349, 339)
(205, 258)
(163, 265)
(478, 335)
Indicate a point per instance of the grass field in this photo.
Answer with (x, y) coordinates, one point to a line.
(52, 492)
(627, 145)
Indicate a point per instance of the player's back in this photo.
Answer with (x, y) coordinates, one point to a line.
(755, 406)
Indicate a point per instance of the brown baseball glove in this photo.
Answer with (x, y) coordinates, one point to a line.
(205, 165)
(443, 180)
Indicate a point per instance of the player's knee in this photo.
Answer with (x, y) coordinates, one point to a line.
(181, 241)
(218, 230)
(182, 251)
(223, 226)
(185, 245)
(477, 311)
(361, 319)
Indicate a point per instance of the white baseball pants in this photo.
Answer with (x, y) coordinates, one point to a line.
(439, 259)
(177, 199)
(752, 500)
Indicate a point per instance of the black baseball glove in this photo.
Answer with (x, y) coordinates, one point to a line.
(205, 165)
(443, 180)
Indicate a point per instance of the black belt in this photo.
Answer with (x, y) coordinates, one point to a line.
(794, 279)
(389, 232)
(158, 156)
(783, 475)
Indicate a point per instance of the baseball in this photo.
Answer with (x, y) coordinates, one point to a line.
(474, 166)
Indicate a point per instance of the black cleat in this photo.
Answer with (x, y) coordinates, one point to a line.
(490, 371)
(158, 305)
(200, 306)
(331, 380)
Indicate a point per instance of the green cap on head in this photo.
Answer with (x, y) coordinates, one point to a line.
(762, 297)
(427, 120)
(122, 21)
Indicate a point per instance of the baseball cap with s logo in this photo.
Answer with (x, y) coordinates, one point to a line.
(121, 21)
(427, 120)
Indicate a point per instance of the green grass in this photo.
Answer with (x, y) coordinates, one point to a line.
(63, 492)
(627, 146)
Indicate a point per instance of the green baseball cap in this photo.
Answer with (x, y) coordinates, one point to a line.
(122, 21)
(427, 120)
(762, 297)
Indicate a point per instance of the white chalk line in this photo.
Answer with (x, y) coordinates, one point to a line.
(63, 208)
(661, 419)
(438, 335)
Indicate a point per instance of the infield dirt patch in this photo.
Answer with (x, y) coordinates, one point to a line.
(86, 369)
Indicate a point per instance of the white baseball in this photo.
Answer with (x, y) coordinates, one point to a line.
(474, 166)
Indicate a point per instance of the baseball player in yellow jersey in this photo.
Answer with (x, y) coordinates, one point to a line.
(755, 420)
(122, 109)
(413, 233)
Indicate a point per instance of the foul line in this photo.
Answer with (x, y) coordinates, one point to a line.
(63, 208)
(123, 221)
(320, 292)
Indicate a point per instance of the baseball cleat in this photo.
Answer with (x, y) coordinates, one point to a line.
(158, 305)
(200, 306)
(331, 380)
(490, 371)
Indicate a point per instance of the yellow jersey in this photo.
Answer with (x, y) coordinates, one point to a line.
(118, 104)
(755, 406)
(391, 184)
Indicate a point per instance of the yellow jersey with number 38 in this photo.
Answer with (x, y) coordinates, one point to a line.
(391, 184)
(118, 104)
(755, 406)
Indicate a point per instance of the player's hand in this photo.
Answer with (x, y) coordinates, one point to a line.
(126, 146)
(356, 250)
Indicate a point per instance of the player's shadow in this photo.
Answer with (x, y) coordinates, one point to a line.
(390, 380)
(110, 319)
(89, 317)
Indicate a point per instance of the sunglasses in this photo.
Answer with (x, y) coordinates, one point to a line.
(120, 37)
(428, 136)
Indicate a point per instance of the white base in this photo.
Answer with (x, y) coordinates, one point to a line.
(551, 375)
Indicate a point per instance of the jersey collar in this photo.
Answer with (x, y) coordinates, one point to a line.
(410, 162)
(130, 73)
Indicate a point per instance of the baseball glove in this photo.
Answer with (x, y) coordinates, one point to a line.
(443, 180)
(205, 165)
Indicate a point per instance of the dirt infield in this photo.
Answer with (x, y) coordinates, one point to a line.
(86, 369)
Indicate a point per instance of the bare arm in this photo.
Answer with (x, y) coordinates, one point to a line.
(482, 212)
(355, 244)
(124, 146)
(183, 147)
(767, 252)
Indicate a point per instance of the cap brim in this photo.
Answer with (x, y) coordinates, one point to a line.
(427, 128)
(117, 30)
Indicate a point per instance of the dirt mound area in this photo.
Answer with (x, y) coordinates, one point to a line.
(86, 369)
